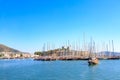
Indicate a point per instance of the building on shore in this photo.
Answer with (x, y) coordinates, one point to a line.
(13, 55)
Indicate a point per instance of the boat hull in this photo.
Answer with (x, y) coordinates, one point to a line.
(93, 61)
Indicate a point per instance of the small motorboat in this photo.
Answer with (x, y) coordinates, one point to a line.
(93, 61)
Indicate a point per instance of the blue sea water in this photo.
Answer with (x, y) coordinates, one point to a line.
(28, 69)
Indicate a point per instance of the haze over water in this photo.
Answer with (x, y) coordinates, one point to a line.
(58, 70)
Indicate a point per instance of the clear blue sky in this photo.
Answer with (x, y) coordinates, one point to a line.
(27, 24)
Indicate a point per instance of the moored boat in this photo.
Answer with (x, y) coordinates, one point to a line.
(93, 61)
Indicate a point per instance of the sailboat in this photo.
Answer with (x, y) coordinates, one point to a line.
(92, 60)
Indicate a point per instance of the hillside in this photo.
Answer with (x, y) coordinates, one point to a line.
(107, 53)
(4, 48)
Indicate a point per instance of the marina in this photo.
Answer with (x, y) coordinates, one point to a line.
(59, 40)
(69, 53)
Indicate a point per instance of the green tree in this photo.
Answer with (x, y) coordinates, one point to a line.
(1, 55)
(38, 53)
(21, 55)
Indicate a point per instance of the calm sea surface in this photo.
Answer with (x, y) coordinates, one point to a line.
(58, 70)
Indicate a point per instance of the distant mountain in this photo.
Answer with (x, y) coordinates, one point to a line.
(4, 48)
(107, 53)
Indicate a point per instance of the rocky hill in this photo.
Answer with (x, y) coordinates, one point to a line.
(10, 53)
(4, 48)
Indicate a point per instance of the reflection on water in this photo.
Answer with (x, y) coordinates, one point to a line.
(28, 69)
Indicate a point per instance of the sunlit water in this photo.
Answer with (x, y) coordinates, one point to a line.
(58, 70)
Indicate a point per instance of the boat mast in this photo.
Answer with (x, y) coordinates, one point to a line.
(107, 49)
(90, 53)
(110, 50)
(113, 48)
(44, 49)
(94, 50)
(84, 44)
